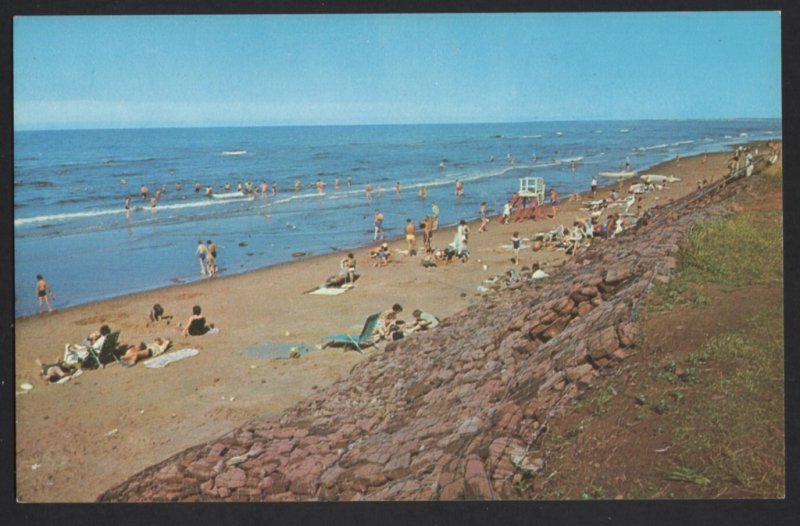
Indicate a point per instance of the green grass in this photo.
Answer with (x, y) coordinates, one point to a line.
(736, 430)
(741, 249)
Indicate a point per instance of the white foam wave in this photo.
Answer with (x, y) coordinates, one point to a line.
(654, 147)
(53, 218)
(679, 143)
(234, 152)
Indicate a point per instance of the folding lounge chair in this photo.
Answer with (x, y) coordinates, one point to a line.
(109, 346)
(363, 339)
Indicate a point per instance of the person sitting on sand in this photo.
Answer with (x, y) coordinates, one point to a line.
(157, 313)
(347, 268)
(428, 261)
(388, 324)
(135, 353)
(422, 321)
(380, 255)
(196, 325)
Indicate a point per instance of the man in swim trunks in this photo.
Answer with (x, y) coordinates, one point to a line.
(144, 191)
(554, 201)
(43, 292)
(378, 224)
(411, 238)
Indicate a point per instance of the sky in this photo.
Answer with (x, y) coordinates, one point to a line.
(260, 70)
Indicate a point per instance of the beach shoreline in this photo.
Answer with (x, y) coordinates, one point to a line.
(448, 230)
(156, 413)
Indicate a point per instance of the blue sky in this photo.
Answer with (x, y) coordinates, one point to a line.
(142, 71)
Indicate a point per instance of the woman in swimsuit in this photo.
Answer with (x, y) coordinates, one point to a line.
(196, 325)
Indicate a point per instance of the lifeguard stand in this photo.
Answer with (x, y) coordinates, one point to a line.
(532, 187)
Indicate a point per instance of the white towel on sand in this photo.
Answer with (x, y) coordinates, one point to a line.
(165, 359)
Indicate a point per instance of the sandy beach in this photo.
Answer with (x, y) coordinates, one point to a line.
(75, 440)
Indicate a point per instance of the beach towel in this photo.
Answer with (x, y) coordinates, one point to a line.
(165, 359)
(334, 291)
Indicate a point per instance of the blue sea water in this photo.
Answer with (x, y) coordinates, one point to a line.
(70, 224)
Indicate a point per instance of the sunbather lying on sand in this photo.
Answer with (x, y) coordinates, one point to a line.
(53, 372)
(142, 351)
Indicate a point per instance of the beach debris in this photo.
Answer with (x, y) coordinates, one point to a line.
(294, 353)
(112, 432)
(298, 254)
(287, 333)
(253, 367)
(36, 466)
(26, 387)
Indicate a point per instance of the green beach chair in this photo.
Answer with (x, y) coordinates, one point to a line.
(109, 346)
(363, 339)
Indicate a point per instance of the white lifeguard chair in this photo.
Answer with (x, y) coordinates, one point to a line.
(532, 187)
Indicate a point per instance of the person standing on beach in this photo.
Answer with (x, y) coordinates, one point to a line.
(434, 216)
(427, 233)
(594, 185)
(201, 254)
(553, 201)
(43, 293)
(484, 218)
(378, 224)
(411, 238)
(506, 213)
(515, 244)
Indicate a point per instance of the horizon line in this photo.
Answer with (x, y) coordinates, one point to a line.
(332, 125)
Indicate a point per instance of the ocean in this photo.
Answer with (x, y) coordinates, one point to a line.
(70, 187)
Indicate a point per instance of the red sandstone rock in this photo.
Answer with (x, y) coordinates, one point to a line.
(231, 478)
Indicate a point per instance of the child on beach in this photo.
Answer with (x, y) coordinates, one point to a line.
(380, 255)
(594, 185)
(515, 243)
(506, 212)
(484, 219)
(43, 293)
